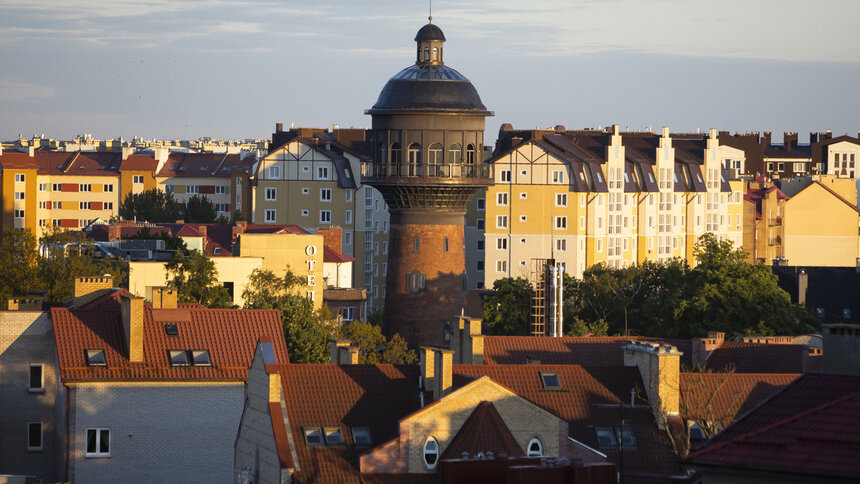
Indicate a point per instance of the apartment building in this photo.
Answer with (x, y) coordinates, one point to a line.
(41, 189)
(221, 177)
(588, 197)
(311, 178)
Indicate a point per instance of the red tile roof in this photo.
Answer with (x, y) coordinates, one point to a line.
(79, 163)
(345, 396)
(723, 397)
(230, 335)
(331, 255)
(810, 428)
(219, 165)
(484, 431)
(760, 358)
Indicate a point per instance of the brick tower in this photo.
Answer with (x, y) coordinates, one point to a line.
(428, 139)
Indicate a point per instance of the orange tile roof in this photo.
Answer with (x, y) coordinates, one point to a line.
(484, 431)
(724, 397)
(230, 335)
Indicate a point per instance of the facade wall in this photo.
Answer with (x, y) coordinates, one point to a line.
(159, 432)
(130, 182)
(843, 159)
(27, 338)
(820, 230)
(219, 191)
(445, 417)
(303, 254)
(143, 276)
(60, 200)
(11, 207)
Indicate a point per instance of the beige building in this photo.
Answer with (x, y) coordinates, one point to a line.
(588, 197)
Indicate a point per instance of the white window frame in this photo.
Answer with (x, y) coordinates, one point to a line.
(98, 434)
(325, 216)
(20, 177)
(347, 217)
(558, 176)
(322, 173)
(534, 453)
(325, 194)
(430, 448)
(561, 222)
(501, 221)
(502, 199)
(271, 194)
(561, 199)
(271, 216)
(137, 179)
(347, 197)
(274, 173)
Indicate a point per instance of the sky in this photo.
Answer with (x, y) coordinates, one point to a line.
(231, 69)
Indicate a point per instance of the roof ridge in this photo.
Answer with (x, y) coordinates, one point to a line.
(838, 196)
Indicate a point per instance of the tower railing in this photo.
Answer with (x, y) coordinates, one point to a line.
(421, 170)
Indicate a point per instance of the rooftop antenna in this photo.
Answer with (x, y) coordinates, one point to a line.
(430, 16)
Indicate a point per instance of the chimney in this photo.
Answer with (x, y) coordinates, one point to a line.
(89, 288)
(659, 366)
(765, 138)
(114, 233)
(31, 151)
(702, 347)
(28, 303)
(126, 151)
(443, 371)
(202, 230)
(132, 326)
(427, 364)
(789, 140)
(469, 342)
(802, 285)
(348, 355)
(332, 237)
(279, 127)
(164, 298)
(161, 153)
(336, 345)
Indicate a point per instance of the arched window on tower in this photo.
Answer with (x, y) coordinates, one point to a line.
(395, 155)
(445, 244)
(414, 159)
(426, 53)
(455, 154)
(434, 160)
(470, 161)
(435, 56)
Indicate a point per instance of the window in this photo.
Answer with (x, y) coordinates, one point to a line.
(501, 221)
(107, 206)
(305, 190)
(612, 436)
(416, 244)
(178, 357)
(347, 217)
(361, 436)
(34, 436)
(501, 199)
(333, 436)
(305, 213)
(98, 443)
(502, 244)
(523, 195)
(84, 205)
(19, 195)
(220, 190)
(561, 223)
(480, 245)
(167, 189)
(85, 187)
(479, 265)
(535, 448)
(561, 245)
(191, 189)
(270, 215)
(445, 244)
(322, 173)
(201, 358)
(325, 194)
(37, 378)
(20, 177)
(696, 433)
(481, 204)
(561, 199)
(313, 435)
(347, 196)
(43, 187)
(137, 179)
(348, 313)
(454, 154)
(523, 218)
(431, 452)
(550, 380)
(325, 216)
(96, 358)
(480, 224)
(501, 266)
(274, 172)
(505, 176)
(415, 281)
(558, 177)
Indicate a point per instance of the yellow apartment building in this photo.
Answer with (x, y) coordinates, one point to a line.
(588, 197)
(817, 226)
(301, 253)
(221, 177)
(312, 178)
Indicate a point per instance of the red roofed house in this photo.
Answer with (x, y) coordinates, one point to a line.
(154, 392)
(805, 433)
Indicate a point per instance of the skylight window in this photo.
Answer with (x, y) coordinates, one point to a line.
(178, 358)
(201, 358)
(171, 329)
(96, 358)
(611, 436)
(361, 436)
(313, 435)
(333, 436)
(550, 380)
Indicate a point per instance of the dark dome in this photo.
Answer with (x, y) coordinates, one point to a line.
(429, 89)
(429, 32)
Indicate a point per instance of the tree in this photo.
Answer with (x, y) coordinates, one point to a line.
(18, 264)
(152, 205)
(68, 254)
(307, 331)
(507, 311)
(578, 327)
(196, 280)
(171, 242)
(199, 209)
(373, 347)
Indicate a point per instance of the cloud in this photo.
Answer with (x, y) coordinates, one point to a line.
(14, 91)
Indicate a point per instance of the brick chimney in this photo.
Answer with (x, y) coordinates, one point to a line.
(27, 303)
(659, 366)
(790, 141)
(202, 230)
(89, 288)
(114, 232)
(468, 341)
(332, 238)
(443, 363)
(702, 347)
(126, 151)
(336, 345)
(427, 364)
(348, 355)
(132, 326)
(164, 298)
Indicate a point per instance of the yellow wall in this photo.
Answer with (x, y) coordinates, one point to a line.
(143, 275)
(820, 230)
(303, 254)
(29, 204)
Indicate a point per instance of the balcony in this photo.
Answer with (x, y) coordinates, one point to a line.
(774, 222)
(775, 240)
(434, 171)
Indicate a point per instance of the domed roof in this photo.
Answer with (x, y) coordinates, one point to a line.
(429, 89)
(429, 32)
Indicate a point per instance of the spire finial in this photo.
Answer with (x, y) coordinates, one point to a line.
(430, 17)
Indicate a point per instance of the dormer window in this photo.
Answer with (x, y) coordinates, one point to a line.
(333, 436)
(178, 358)
(550, 380)
(96, 358)
(313, 435)
(201, 358)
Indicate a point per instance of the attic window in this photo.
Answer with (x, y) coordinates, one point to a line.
(313, 435)
(178, 358)
(217, 251)
(201, 358)
(550, 380)
(361, 436)
(333, 436)
(96, 358)
(171, 329)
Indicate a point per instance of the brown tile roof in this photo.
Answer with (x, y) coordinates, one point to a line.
(230, 335)
(588, 398)
(759, 358)
(569, 350)
(345, 396)
(331, 255)
(809, 427)
(218, 165)
(723, 397)
(484, 431)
